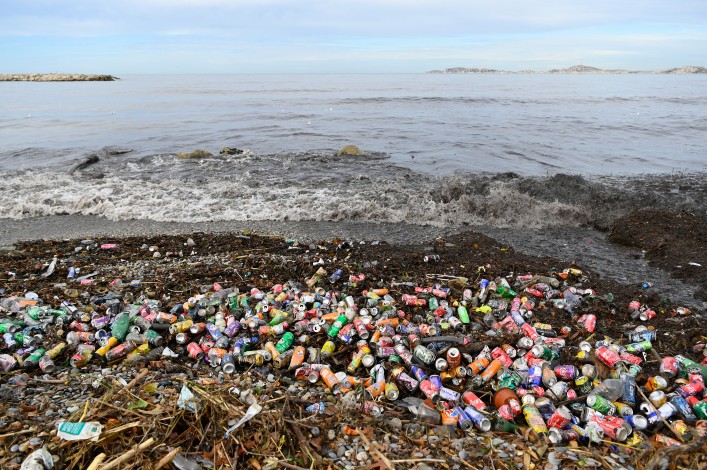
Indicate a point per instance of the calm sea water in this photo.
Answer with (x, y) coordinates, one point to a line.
(437, 145)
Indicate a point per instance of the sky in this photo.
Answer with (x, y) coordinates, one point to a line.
(336, 36)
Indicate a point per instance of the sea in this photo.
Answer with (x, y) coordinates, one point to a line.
(506, 150)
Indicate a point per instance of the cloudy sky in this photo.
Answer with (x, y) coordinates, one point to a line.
(281, 36)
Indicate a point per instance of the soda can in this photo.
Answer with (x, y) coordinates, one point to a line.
(656, 383)
(629, 358)
(657, 398)
(560, 419)
(691, 389)
(46, 364)
(373, 409)
(424, 354)
(479, 420)
(7, 362)
(449, 395)
(601, 404)
(630, 387)
(429, 390)
(500, 354)
(683, 408)
(374, 390)
(647, 315)
(666, 411)
(641, 335)
(465, 422)
(566, 372)
(228, 365)
(407, 382)
(534, 419)
(195, 351)
(453, 358)
(330, 379)
(637, 421)
(668, 367)
(470, 398)
(328, 348)
(535, 375)
(607, 356)
(559, 390)
(611, 428)
(391, 391)
(450, 417)
(680, 427)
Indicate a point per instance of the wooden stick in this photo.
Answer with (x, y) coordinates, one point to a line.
(290, 466)
(368, 443)
(139, 377)
(677, 434)
(167, 458)
(97, 461)
(116, 463)
(17, 433)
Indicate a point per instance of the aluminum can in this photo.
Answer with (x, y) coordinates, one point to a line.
(430, 391)
(630, 387)
(407, 382)
(447, 394)
(668, 367)
(441, 364)
(195, 352)
(566, 372)
(607, 356)
(535, 376)
(611, 428)
(560, 419)
(545, 407)
(465, 421)
(637, 421)
(623, 409)
(683, 408)
(656, 383)
(479, 420)
(470, 398)
(453, 358)
(534, 419)
(601, 404)
(648, 315)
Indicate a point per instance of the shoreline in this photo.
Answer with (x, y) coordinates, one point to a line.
(586, 247)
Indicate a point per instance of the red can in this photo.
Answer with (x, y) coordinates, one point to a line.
(634, 306)
(501, 355)
(506, 413)
(430, 391)
(648, 315)
(470, 398)
(668, 366)
(195, 351)
(529, 331)
(607, 356)
(560, 418)
(628, 357)
(590, 322)
(454, 358)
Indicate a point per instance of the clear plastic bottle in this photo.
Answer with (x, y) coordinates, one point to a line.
(611, 389)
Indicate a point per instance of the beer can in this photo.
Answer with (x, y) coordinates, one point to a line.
(657, 398)
(637, 421)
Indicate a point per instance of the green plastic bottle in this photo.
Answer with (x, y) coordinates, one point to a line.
(463, 314)
(506, 292)
(120, 326)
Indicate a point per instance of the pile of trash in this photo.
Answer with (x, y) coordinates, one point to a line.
(345, 359)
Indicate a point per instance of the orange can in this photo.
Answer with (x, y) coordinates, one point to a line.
(270, 346)
(297, 356)
(328, 377)
(450, 417)
(374, 390)
(479, 364)
(491, 371)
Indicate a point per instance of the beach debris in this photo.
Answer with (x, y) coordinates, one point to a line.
(40, 459)
(316, 358)
(230, 151)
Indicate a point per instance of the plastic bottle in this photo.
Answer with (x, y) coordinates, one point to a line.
(611, 389)
(120, 326)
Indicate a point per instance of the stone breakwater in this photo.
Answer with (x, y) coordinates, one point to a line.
(56, 77)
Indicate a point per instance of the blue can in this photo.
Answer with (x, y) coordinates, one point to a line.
(418, 373)
(465, 421)
(535, 376)
(629, 396)
(436, 381)
(683, 408)
(481, 421)
(637, 421)
(448, 394)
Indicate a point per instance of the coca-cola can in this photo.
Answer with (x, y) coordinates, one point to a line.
(607, 356)
(195, 351)
(647, 315)
(561, 418)
(668, 367)
(470, 398)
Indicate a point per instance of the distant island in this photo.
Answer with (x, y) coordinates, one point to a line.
(579, 69)
(56, 77)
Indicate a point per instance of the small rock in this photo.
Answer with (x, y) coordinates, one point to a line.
(195, 154)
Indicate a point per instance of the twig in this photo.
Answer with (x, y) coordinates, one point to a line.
(289, 465)
(167, 458)
(17, 433)
(132, 383)
(97, 461)
(128, 455)
(368, 443)
(418, 460)
(677, 434)
(668, 452)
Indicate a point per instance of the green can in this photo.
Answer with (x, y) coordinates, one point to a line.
(463, 314)
(7, 328)
(644, 345)
(285, 342)
(700, 409)
(601, 404)
(337, 326)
